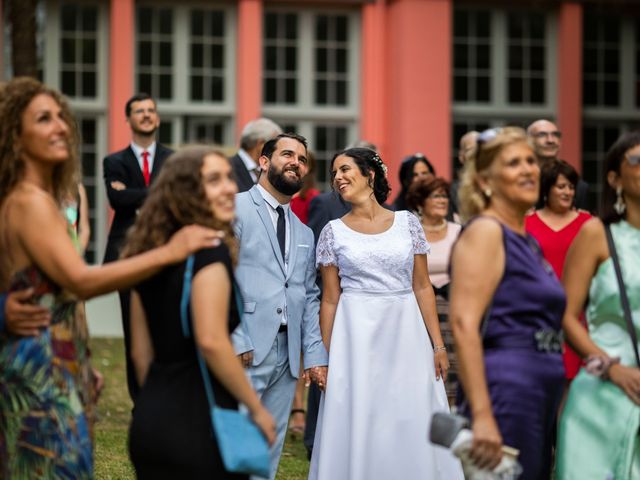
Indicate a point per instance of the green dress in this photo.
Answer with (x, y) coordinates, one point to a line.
(598, 436)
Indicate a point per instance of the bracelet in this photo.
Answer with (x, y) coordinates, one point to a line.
(439, 348)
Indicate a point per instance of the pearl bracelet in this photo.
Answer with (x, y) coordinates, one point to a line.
(439, 348)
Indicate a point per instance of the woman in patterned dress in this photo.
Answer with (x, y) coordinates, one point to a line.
(43, 379)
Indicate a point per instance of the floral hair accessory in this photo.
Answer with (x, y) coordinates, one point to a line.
(378, 161)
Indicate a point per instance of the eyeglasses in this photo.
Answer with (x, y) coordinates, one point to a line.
(439, 196)
(542, 135)
(634, 160)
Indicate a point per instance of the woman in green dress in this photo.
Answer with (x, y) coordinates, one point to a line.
(599, 434)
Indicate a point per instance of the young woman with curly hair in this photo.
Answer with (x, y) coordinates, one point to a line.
(46, 387)
(170, 435)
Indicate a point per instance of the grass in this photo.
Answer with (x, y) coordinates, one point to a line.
(114, 414)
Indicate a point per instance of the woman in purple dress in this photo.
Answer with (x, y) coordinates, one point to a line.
(511, 365)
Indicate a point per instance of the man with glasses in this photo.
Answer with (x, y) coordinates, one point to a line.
(127, 177)
(546, 141)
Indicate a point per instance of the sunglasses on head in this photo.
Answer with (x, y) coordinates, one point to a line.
(488, 135)
(633, 160)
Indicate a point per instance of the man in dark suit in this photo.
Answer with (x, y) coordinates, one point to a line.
(253, 137)
(127, 176)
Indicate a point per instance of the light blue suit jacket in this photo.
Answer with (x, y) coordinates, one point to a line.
(266, 286)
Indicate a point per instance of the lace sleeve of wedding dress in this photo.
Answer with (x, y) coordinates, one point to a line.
(325, 254)
(420, 244)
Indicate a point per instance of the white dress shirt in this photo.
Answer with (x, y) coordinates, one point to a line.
(272, 204)
(249, 164)
(137, 151)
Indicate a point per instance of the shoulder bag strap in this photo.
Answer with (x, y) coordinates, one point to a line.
(186, 328)
(623, 292)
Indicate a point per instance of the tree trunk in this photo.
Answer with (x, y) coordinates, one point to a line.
(22, 15)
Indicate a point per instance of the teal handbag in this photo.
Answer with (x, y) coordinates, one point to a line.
(242, 445)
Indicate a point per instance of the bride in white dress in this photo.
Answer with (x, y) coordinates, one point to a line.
(384, 380)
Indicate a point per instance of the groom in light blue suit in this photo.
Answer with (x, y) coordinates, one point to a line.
(276, 274)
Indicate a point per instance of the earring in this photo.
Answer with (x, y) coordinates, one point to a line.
(619, 206)
(420, 212)
(487, 192)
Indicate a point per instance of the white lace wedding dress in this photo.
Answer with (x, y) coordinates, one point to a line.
(381, 391)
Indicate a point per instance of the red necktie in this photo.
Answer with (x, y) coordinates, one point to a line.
(145, 167)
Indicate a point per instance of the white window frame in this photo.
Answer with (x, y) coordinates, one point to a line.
(181, 106)
(499, 106)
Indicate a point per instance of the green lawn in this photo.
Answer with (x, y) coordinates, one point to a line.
(111, 455)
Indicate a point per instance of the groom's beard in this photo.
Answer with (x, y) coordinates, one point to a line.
(282, 183)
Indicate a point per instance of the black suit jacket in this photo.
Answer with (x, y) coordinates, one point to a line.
(324, 208)
(123, 167)
(243, 177)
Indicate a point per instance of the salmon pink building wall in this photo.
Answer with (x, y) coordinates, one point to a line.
(121, 62)
(418, 94)
(570, 82)
(249, 63)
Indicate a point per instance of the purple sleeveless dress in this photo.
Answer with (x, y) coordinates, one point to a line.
(522, 353)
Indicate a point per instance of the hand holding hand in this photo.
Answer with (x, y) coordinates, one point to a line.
(441, 362)
(190, 239)
(23, 318)
(317, 375)
(627, 379)
(265, 422)
(246, 358)
(486, 449)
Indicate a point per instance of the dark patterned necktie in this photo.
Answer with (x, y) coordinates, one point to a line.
(280, 230)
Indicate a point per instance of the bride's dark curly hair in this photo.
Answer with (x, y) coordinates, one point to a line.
(176, 199)
(367, 161)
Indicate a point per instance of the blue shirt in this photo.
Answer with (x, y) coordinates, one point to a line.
(3, 298)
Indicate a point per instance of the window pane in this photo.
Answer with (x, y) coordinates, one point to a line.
(290, 59)
(217, 56)
(68, 54)
(88, 51)
(197, 55)
(342, 32)
(144, 53)
(341, 60)
(217, 23)
(611, 93)
(270, 58)
(537, 90)
(271, 25)
(196, 87)
(68, 18)
(165, 21)
(165, 87)
(483, 89)
(89, 19)
(291, 26)
(68, 83)
(144, 20)
(483, 58)
(590, 92)
(516, 95)
(270, 90)
(321, 59)
(290, 90)
(217, 89)
(460, 56)
(322, 28)
(341, 92)
(197, 23)
(460, 91)
(166, 54)
(88, 84)
(144, 82)
(460, 22)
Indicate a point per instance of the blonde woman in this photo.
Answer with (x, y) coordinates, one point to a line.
(512, 373)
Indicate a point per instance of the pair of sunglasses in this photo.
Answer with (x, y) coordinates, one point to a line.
(633, 160)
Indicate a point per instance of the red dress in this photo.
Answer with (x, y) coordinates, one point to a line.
(555, 245)
(300, 206)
